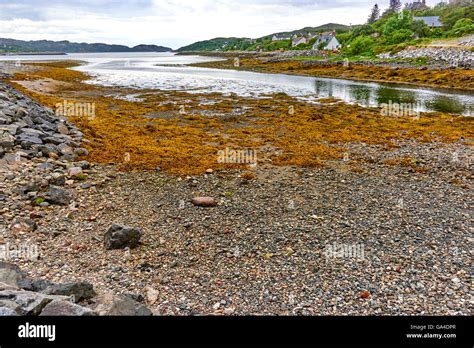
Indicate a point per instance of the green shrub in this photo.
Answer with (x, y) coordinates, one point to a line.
(462, 27)
(362, 45)
(399, 36)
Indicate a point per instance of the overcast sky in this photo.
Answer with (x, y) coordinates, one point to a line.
(171, 23)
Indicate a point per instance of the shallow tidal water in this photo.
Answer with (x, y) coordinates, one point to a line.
(167, 71)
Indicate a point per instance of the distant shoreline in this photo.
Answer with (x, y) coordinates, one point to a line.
(33, 54)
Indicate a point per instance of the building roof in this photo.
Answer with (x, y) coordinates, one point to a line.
(431, 21)
(325, 37)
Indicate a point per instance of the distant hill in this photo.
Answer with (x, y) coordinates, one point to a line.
(307, 30)
(212, 45)
(234, 43)
(11, 45)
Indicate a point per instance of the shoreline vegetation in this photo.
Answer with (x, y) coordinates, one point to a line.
(163, 128)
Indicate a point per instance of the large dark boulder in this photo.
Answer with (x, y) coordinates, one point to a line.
(121, 236)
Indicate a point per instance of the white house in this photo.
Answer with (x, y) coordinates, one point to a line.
(330, 41)
(299, 40)
(280, 38)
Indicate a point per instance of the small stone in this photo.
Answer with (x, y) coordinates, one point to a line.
(229, 311)
(65, 149)
(204, 202)
(24, 226)
(151, 295)
(62, 128)
(365, 294)
(75, 172)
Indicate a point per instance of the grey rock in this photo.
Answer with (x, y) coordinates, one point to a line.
(451, 56)
(58, 139)
(48, 148)
(7, 140)
(81, 152)
(65, 149)
(33, 132)
(59, 181)
(39, 285)
(4, 96)
(12, 275)
(5, 119)
(27, 141)
(64, 308)
(121, 236)
(86, 186)
(30, 303)
(47, 126)
(121, 305)
(83, 164)
(21, 112)
(80, 291)
(45, 166)
(12, 129)
(58, 195)
(9, 308)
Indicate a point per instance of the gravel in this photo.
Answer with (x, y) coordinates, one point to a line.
(356, 237)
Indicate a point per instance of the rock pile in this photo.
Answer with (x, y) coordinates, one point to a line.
(35, 130)
(467, 41)
(20, 296)
(454, 57)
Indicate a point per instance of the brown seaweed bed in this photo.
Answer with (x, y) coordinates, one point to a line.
(182, 133)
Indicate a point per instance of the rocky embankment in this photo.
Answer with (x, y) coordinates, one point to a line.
(40, 174)
(20, 295)
(29, 130)
(453, 57)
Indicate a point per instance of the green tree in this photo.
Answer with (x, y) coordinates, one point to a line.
(450, 17)
(395, 5)
(398, 21)
(374, 14)
(420, 28)
(462, 27)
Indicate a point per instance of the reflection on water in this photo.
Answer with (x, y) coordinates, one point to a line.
(167, 71)
(374, 94)
(442, 103)
(361, 94)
